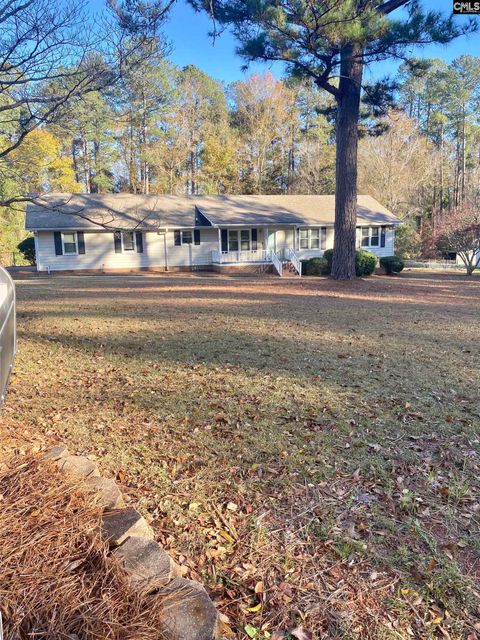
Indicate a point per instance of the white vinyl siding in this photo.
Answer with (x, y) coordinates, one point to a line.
(280, 238)
(387, 250)
(100, 252)
(370, 239)
(100, 249)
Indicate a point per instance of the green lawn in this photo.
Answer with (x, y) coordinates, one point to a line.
(308, 449)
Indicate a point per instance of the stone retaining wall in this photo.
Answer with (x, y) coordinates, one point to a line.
(189, 614)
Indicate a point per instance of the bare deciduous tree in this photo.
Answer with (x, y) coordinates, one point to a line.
(459, 232)
(52, 54)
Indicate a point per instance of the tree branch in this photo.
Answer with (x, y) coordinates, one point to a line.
(391, 5)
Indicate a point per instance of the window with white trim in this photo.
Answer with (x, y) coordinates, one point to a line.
(370, 237)
(303, 238)
(183, 237)
(245, 240)
(232, 240)
(314, 238)
(70, 243)
(240, 240)
(128, 240)
(187, 236)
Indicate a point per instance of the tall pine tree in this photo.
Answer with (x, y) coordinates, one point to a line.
(332, 42)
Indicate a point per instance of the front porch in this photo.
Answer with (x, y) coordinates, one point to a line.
(283, 261)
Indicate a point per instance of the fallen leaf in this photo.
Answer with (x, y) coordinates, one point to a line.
(301, 634)
(259, 588)
(227, 536)
(252, 632)
(432, 564)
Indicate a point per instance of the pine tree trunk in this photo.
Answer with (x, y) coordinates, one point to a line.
(442, 172)
(131, 164)
(96, 161)
(348, 105)
(193, 186)
(86, 166)
(463, 155)
(75, 162)
(145, 167)
(456, 184)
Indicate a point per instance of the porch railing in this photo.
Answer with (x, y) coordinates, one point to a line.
(260, 255)
(8, 331)
(255, 255)
(277, 263)
(291, 255)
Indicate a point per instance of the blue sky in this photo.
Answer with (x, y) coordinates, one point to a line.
(188, 34)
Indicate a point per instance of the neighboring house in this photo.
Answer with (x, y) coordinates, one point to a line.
(128, 232)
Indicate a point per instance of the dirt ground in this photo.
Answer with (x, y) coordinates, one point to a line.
(308, 449)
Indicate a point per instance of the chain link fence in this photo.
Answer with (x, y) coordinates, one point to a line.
(8, 331)
(433, 264)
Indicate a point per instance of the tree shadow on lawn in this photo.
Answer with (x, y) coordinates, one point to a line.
(345, 357)
(361, 312)
(288, 445)
(372, 445)
(422, 290)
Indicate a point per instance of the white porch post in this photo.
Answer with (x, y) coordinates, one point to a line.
(266, 239)
(165, 249)
(37, 252)
(220, 244)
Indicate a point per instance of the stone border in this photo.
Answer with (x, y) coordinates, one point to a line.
(189, 613)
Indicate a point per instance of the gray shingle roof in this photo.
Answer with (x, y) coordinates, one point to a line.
(306, 210)
(149, 212)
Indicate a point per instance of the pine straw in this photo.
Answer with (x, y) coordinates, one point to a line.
(56, 579)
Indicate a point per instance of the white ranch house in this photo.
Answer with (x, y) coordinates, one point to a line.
(124, 232)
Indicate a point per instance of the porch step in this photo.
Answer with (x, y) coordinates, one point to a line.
(289, 269)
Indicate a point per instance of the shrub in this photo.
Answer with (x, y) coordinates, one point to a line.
(365, 263)
(328, 256)
(27, 248)
(392, 264)
(315, 267)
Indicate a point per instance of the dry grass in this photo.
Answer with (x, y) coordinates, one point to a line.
(309, 449)
(56, 580)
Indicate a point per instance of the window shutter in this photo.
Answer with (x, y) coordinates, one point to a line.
(139, 241)
(254, 239)
(323, 237)
(81, 242)
(57, 237)
(196, 236)
(178, 238)
(224, 240)
(117, 240)
(382, 236)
